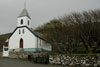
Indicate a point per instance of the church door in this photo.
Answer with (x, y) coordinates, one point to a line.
(21, 43)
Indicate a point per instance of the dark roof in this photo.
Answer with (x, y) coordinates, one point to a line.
(24, 13)
(31, 30)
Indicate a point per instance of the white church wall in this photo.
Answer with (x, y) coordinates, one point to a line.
(27, 36)
(41, 44)
(14, 40)
(38, 43)
(46, 46)
(29, 39)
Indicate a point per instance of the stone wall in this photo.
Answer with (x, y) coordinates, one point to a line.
(25, 54)
(68, 60)
(75, 60)
(17, 55)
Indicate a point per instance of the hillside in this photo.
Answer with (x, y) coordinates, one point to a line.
(3, 38)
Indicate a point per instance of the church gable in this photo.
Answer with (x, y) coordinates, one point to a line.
(22, 38)
(34, 33)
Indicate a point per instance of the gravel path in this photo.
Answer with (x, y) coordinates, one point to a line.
(5, 62)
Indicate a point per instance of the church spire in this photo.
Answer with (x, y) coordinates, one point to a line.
(24, 12)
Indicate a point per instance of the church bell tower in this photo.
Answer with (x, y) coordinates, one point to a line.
(24, 19)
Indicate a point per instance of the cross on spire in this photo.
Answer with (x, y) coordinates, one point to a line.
(25, 4)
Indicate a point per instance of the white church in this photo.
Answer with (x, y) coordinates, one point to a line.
(24, 38)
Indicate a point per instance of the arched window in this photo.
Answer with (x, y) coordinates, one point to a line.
(21, 43)
(19, 31)
(28, 22)
(21, 22)
(23, 31)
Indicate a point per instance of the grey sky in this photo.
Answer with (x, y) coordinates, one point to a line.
(41, 11)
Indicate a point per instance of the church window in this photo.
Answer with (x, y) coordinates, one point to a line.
(23, 31)
(40, 43)
(19, 31)
(28, 22)
(37, 42)
(21, 21)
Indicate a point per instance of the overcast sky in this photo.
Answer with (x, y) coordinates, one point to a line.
(41, 11)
